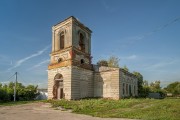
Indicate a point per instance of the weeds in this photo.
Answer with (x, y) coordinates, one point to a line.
(146, 109)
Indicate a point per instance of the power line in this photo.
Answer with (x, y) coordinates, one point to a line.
(15, 83)
(21, 78)
(8, 79)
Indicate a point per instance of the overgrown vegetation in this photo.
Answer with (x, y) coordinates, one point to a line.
(154, 87)
(22, 92)
(112, 61)
(173, 88)
(140, 84)
(146, 109)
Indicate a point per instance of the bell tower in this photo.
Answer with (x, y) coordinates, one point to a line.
(70, 58)
(71, 44)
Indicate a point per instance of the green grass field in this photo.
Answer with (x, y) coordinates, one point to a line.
(146, 109)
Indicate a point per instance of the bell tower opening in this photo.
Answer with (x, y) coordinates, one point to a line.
(61, 40)
(81, 42)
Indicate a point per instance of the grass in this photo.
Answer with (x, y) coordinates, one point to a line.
(146, 109)
(15, 103)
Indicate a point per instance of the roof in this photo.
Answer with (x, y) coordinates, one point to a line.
(76, 20)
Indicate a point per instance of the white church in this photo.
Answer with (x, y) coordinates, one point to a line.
(71, 74)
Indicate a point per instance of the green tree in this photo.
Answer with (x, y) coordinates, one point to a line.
(145, 91)
(31, 92)
(113, 61)
(3, 93)
(22, 92)
(140, 83)
(173, 88)
(125, 68)
(145, 83)
(155, 86)
(102, 63)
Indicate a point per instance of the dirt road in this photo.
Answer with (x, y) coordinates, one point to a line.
(42, 111)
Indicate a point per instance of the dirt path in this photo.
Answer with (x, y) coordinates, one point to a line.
(42, 111)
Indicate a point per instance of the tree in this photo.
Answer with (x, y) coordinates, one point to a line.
(173, 88)
(102, 63)
(140, 83)
(3, 93)
(155, 86)
(145, 91)
(125, 68)
(145, 83)
(22, 92)
(113, 61)
(31, 92)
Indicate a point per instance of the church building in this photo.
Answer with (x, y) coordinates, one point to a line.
(71, 74)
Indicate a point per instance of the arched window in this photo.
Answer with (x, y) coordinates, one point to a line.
(123, 88)
(127, 89)
(130, 92)
(81, 42)
(58, 77)
(62, 40)
(82, 61)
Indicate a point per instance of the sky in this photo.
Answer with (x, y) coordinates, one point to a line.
(143, 34)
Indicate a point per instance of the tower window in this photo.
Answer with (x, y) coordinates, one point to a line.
(59, 60)
(62, 40)
(82, 61)
(81, 42)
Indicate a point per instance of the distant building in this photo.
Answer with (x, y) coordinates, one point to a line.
(169, 95)
(71, 74)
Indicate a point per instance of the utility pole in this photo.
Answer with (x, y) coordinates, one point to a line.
(15, 87)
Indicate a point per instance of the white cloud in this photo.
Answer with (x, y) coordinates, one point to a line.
(160, 65)
(136, 37)
(19, 62)
(39, 64)
(131, 57)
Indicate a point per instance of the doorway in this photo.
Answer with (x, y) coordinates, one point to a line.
(58, 92)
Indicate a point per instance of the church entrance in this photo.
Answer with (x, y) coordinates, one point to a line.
(58, 92)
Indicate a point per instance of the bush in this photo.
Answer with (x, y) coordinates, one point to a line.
(22, 92)
(4, 95)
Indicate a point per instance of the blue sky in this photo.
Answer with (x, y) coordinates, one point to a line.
(144, 34)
